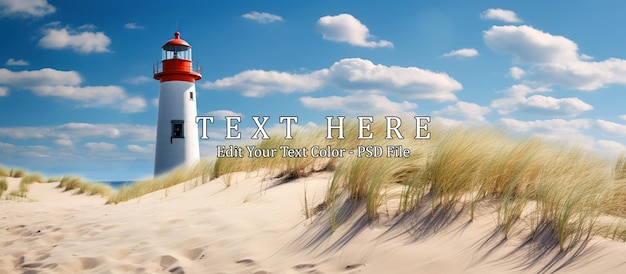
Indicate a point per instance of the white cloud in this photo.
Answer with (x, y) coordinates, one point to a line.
(462, 53)
(13, 62)
(132, 105)
(149, 149)
(610, 146)
(516, 73)
(64, 142)
(465, 110)
(572, 132)
(25, 8)
(554, 126)
(353, 75)
(358, 104)
(258, 83)
(358, 75)
(554, 60)
(4, 91)
(138, 80)
(560, 130)
(586, 57)
(155, 102)
(530, 45)
(539, 104)
(95, 96)
(221, 113)
(346, 28)
(133, 26)
(623, 117)
(82, 42)
(262, 17)
(6, 146)
(31, 78)
(80, 131)
(611, 127)
(100, 146)
(66, 84)
(500, 15)
(91, 95)
(522, 90)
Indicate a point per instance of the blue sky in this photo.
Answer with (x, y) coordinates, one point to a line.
(77, 94)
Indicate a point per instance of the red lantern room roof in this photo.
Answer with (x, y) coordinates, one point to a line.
(177, 41)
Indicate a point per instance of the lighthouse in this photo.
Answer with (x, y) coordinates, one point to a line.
(177, 132)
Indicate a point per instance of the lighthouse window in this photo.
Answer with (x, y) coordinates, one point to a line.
(191, 96)
(178, 129)
(176, 52)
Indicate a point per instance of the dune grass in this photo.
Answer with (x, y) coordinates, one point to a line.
(80, 186)
(17, 173)
(3, 172)
(16, 193)
(91, 188)
(260, 157)
(27, 180)
(3, 185)
(565, 191)
(68, 183)
(565, 188)
(620, 168)
(200, 172)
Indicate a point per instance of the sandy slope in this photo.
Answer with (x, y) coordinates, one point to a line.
(258, 226)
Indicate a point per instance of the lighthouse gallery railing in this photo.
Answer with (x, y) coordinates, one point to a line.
(158, 67)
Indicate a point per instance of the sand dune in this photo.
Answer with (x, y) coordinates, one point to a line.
(258, 225)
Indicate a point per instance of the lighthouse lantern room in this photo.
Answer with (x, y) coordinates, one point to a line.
(177, 132)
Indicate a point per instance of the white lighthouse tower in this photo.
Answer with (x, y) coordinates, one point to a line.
(177, 132)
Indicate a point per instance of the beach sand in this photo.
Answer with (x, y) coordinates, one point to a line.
(258, 225)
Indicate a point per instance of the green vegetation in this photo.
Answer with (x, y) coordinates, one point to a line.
(557, 188)
(53, 179)
(3, 185)
(91, 188)
(289, 167)
(17, 173)
(27, 180)
(200, 172)
(534, 185)
(16, 193)
(569, 187)
(620, 168)
(68, 183)
(3, 172)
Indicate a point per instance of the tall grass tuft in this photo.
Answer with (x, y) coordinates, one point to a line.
(3, 185)
(617, 204)
(574, 191)
(3, 172)
(377, 180)
(17, 173)
(90, 188)
(68, 183)
(27, 180)
(370, 179)
(453, 169)
(179, 175)
(620, 168)
(560, 189)
(279, 166)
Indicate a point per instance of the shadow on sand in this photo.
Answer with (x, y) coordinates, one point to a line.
(538, 252)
